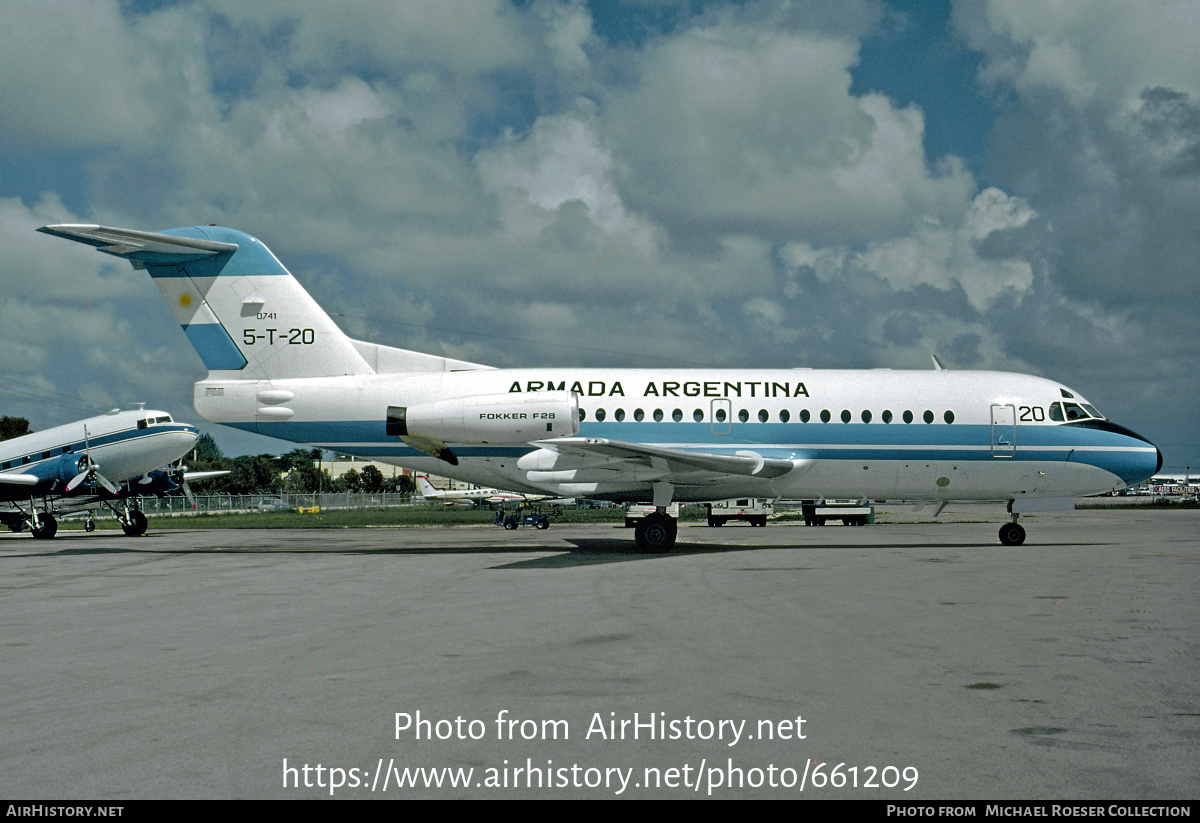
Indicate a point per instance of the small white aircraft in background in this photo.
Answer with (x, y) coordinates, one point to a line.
(80, 467)
(278, 365)
(474, 496)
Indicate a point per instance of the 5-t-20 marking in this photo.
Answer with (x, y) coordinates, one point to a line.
(293, 337)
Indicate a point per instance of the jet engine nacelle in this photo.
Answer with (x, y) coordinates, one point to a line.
(489, 419)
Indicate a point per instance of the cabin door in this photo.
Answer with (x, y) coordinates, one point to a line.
(1004, 431)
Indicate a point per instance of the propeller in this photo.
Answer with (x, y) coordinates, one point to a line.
(179, 474)
(89, 470)
(187, 491)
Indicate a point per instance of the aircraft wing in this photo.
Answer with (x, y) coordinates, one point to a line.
(191, 476)
(674, 461)
(20, 479)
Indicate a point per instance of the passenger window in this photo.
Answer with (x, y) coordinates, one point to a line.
(763, 416)
(927, 416)
(866, 416)
(784, 415)
(639, 415)
(619, 415)
(677, 415)
(948, 416)
(846, 415)
(698, 415)
(582, 415)
(600, 414)
(908, 416)
(743, 415)
(887, 415)
(805, 416)
(658, 415)
(720, 415)
(826, 416)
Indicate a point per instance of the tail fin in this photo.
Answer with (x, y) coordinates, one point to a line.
(241, 309)
(424, 486)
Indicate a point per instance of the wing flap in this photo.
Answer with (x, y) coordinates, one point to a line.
(676, 461)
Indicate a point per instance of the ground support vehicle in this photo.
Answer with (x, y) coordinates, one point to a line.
(754, 510)
(850, 512)
(637, 511)
(522, 516)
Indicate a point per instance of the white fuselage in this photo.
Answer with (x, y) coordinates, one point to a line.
(931, 435)
(123, 445)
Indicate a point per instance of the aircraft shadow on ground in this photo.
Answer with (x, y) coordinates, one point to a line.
(578, 552)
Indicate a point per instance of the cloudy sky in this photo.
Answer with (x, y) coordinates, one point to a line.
(1011, 184)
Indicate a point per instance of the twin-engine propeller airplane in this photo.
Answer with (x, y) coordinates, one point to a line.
(472, 496)
(278, 365)
(72, 468)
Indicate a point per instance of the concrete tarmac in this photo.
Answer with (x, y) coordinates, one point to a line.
(906, 660)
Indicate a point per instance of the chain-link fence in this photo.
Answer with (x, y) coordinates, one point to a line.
(241, 503)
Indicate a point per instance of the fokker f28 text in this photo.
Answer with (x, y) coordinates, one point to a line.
(619, 434)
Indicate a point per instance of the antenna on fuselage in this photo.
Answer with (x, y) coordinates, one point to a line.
(937, 364)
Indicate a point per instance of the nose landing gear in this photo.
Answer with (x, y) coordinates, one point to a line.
(1012, 534)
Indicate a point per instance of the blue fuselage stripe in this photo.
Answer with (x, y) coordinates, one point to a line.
(827, 441)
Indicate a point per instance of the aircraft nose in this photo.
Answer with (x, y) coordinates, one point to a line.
(1133, 466)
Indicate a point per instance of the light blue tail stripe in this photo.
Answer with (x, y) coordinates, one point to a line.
(215, 346)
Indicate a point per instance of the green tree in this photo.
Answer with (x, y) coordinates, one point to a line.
(11, 427)
(403, 484)
(372, 479)
(206, 449)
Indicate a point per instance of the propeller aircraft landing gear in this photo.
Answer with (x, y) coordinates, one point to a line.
(44, 526)
(133, 523)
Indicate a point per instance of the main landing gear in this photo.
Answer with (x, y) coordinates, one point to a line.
(133, 523)
(656, 532)
(43, 526)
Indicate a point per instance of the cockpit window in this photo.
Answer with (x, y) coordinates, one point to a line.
(1070, 412)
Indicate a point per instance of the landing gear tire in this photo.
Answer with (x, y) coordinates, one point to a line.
(1012, 534)
(136, 526)
(46, 528)
(656, 533)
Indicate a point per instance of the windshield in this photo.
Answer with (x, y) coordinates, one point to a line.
(1069, 412)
